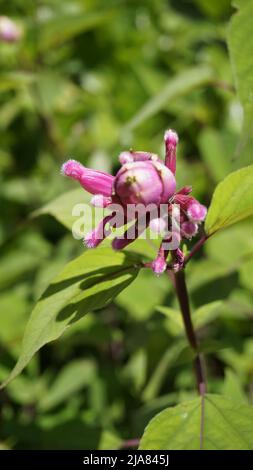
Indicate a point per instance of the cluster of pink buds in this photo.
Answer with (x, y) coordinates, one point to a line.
(9, 30)
(143, 180)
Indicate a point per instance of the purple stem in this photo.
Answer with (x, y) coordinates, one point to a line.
(183, 299)
(129, 443)
(196, 248)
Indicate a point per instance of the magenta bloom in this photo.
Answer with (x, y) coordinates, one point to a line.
(9, 31)
(143, 181)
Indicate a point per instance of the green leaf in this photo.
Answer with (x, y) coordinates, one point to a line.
(15, 80)
(157, 378)
(202, 316)
(240, 42)
(179, 85)
(61, 208)
(207, 313)
(70, 380)
(109, 441)
(246, 274)
(233, 245)
(215, 9)
(213, 142)
(232, 387)
(135, 370)
(139, 299)
(232, 200)
(88, 283)
(65, 27)
(12, 325)
(210, 423)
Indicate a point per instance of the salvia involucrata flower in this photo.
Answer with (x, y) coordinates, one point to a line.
(143, 181)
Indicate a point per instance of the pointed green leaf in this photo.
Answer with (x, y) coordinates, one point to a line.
(88, 283)
(65, 27)
(62, 207)
(210, 423)
(232, 200)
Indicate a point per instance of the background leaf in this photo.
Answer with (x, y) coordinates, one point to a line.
(65, 27)
(240, 43)
(181, 84)
(71, 379)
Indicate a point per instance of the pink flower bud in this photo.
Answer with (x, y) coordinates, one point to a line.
(157, 225)
(100, 201)
(178, 259)
(189, 229)
(144, 182)
(95, 182)
(159, 264)
(9, 31)
(196, 211)
(171, 141)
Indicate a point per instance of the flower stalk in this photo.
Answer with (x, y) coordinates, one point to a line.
(183, 299)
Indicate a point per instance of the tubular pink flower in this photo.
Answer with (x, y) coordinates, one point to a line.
(96, 236)
(171, 141)
(95, 182)
(144, 182)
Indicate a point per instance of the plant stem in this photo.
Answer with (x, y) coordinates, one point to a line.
(130, 443)
(196, 248)
(183, 299)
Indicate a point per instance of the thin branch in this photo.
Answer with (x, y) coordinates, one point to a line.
(183, 299)
(196, 248)
(199, 366)
(130, 443)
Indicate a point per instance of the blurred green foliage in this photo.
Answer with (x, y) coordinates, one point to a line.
(88, 79)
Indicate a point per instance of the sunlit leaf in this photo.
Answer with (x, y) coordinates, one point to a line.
(210, 423)
(88, 283)
(232, 200)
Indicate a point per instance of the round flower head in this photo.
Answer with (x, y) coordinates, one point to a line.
(143, 180)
